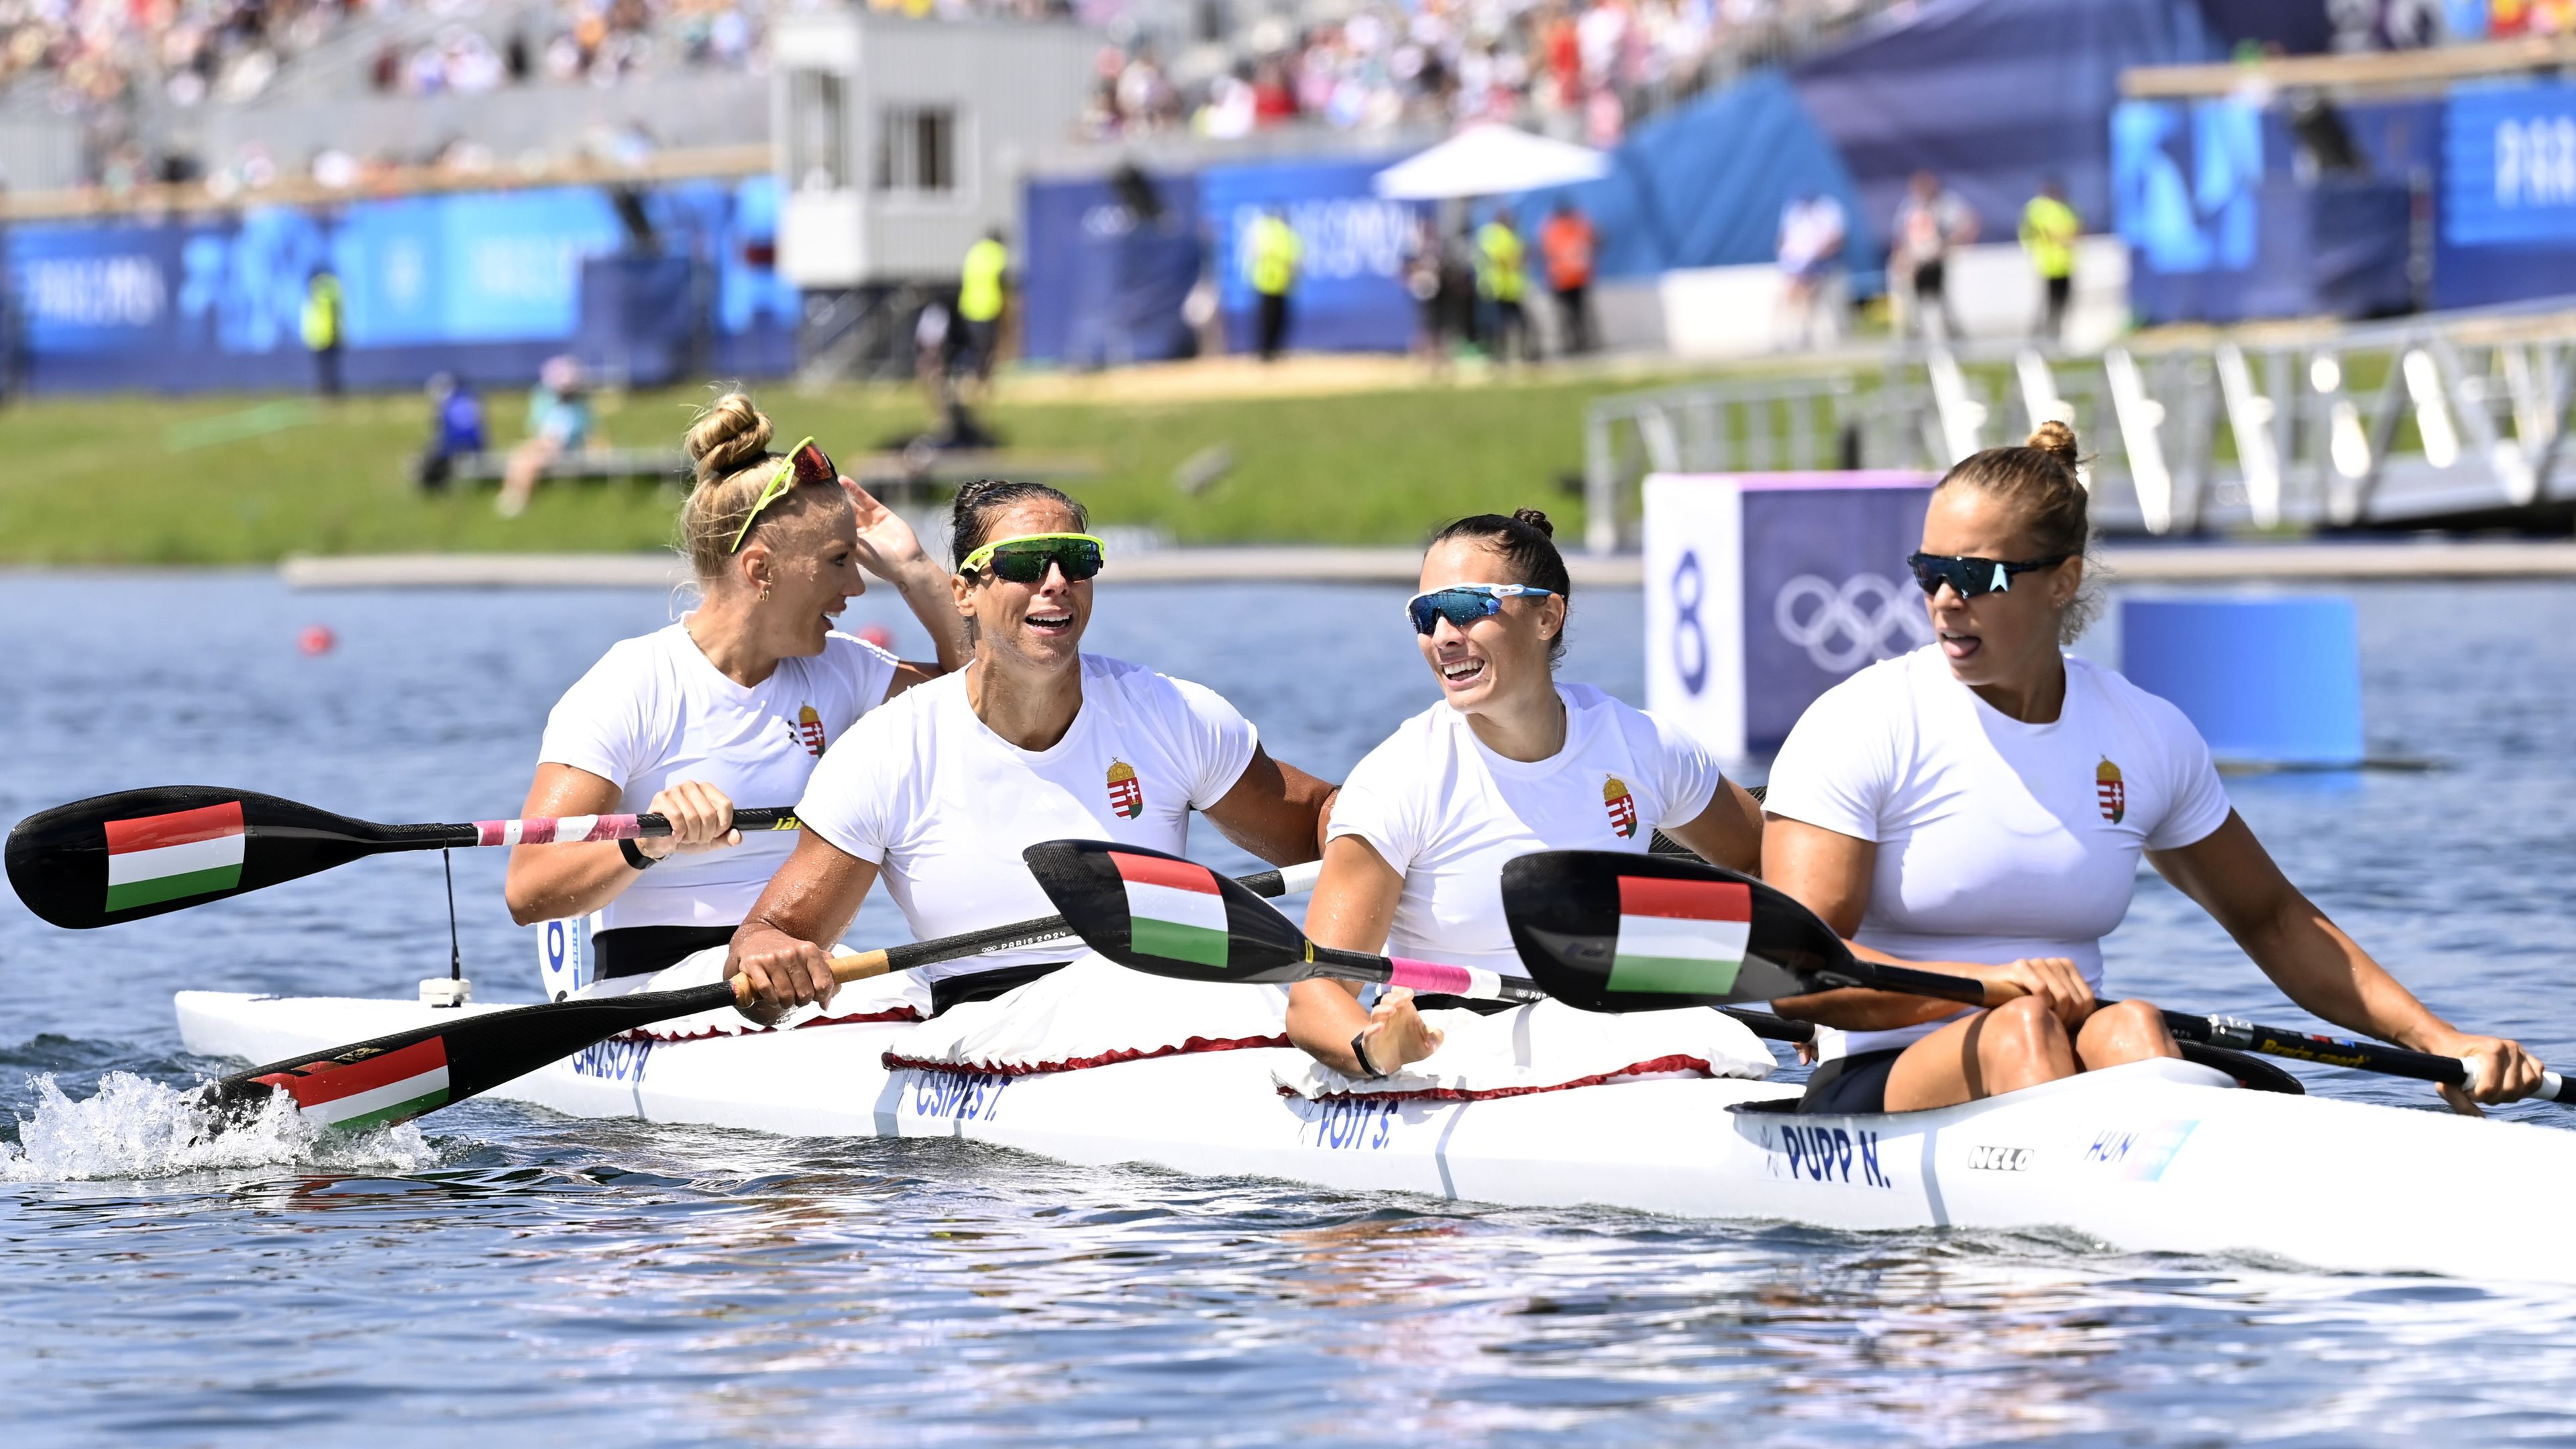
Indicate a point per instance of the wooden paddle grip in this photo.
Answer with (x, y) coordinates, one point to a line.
(845, 969)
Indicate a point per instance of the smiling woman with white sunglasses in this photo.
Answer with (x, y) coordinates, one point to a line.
(1508, 762)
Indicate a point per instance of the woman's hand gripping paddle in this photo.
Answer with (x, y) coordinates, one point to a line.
(138, 853)
(395, 1078)
(1608, 931)
(1167, 916)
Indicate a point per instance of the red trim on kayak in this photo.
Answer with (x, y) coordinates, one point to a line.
(896, 1063)
(1653, 1067)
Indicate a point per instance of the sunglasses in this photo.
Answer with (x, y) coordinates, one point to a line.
(1970, 577)
(805, 463)
(1463, 604)
(1026, 560)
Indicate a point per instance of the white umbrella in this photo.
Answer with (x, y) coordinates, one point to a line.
(1490, 160)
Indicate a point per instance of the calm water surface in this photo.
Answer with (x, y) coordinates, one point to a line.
(517, 1277)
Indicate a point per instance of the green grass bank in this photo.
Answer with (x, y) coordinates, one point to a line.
(247, 480)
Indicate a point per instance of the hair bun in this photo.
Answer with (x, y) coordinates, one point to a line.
(728, 435)
(1535, 519)
(2056, 439)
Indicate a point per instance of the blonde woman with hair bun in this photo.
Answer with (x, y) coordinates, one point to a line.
(736, 702)
(1979, 808)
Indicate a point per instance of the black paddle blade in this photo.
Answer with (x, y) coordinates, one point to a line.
(1608, 931)
(138, 853)
(396, 1078)
(1164, 915)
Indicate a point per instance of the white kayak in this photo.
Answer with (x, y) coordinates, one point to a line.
(2157, 1156)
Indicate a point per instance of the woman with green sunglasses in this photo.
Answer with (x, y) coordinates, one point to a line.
(1509, 761)
(1033, 740)
(735, 702)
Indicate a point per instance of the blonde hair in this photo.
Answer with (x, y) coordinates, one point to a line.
(2038, 479)
(728, 444)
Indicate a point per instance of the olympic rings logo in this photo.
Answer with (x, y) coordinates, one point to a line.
(1690, 637)
(1869, 617)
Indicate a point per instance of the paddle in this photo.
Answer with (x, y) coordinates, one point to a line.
(395, 1078)
(1171, 917)
(138, 853)
(1608, 931)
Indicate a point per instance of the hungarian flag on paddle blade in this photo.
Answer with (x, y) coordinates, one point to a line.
(167, 857)
(1174, 909)
(1681, 936)
(393, 1086)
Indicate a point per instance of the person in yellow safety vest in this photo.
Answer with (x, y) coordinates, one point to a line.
(2049, 228)
(322, 329)
(983, 292)
(1500, 258)
(1274, 252)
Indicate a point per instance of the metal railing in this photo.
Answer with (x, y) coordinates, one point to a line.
(2456, 418)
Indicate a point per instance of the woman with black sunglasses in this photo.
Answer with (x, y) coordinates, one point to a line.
(735, 702)
(1979, 807)
(1034, 740)
(1507, 762)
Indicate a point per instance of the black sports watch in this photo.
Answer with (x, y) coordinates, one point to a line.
(1359, 1049)
(635, 857)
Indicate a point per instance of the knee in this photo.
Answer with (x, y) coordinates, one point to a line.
(2024, 1025)
(2126, 1031)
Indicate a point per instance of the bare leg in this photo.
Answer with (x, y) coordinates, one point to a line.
(2128, 1031)
(2018, 1044)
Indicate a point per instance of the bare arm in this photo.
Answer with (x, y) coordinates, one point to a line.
(782, 945)
(889, 549)
(2316, 965)
(1353, 906)
(553, 882)
(1275, 811)
(1728, 832)
(1829, 873)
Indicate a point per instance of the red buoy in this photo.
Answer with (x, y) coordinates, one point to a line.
(877, 634)
(316, 639)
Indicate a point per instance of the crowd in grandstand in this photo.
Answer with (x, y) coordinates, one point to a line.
(1577, 68)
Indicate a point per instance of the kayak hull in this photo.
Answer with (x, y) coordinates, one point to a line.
(2159, 1156)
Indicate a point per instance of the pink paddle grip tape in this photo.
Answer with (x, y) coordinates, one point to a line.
(1430, 976)
(541, 830)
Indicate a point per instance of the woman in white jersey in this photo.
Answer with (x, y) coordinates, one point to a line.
(1508, 762)
(735, 702)
(1034, 740)
(1978, 807)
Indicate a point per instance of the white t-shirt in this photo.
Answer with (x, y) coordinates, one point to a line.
(1447, 812)
(653, 711)
(1996, 839)
(945, 806)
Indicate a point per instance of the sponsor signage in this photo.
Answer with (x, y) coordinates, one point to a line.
(1764, 590)
(2509, 166)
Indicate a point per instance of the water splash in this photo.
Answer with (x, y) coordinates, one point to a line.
(138, 1128)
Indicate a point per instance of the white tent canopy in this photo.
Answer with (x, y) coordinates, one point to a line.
(1490, 160)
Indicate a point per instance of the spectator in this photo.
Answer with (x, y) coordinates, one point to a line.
(1812, 232)
(455, 431)
(2049, 228)
(1274, 252)
(559, 422)
(1568, 244)
(1423, 276)
(1501, 278)
(1929, 222)
(322, 313)
(983, 292)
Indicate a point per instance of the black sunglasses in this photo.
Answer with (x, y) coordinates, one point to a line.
(1969, 576)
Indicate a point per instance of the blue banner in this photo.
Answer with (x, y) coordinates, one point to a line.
(1350, 294)
(488, 284)
(1102, 285)
(2509, 167)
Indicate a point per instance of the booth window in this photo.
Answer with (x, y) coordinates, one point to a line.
(818, 153)
(917, 150)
